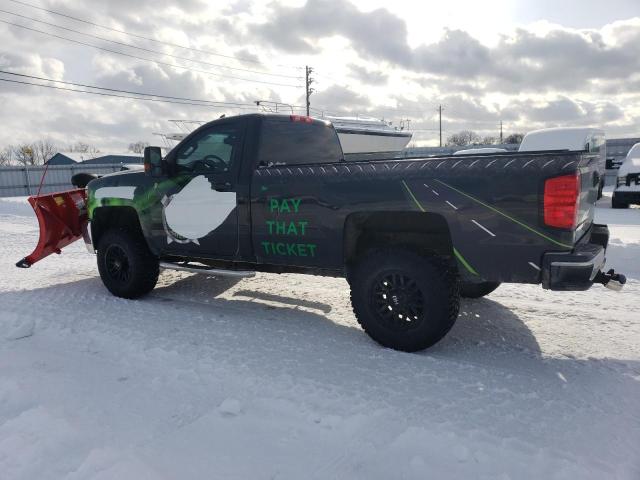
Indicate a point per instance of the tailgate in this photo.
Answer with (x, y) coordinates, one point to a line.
(589, 184)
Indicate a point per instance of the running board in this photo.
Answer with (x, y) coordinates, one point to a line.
(218, 272)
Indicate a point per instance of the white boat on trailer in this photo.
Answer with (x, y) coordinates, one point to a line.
(368, 135)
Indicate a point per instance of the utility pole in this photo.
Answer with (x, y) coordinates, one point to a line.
(308, 81)
(440, 121)
(501, 131)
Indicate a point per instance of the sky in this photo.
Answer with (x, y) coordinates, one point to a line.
(527, 64)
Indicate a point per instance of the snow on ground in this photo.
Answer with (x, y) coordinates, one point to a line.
(271, 378)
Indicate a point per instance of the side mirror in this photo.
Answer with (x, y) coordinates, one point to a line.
(153, 164)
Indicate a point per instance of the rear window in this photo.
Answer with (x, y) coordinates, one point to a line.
(287, 142)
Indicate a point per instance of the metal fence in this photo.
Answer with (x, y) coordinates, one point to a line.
(18, 181)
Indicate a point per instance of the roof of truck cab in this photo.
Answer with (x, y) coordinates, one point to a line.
(564, 138)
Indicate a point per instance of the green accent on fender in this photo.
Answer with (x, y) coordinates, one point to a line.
(464, 262)
(457, 254)
(145, 196)
(494, 209)
(413, 196)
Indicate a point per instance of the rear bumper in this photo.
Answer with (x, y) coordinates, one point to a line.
(627, 196)
(576, 270)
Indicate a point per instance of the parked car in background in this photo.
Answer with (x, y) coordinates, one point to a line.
(627, 189)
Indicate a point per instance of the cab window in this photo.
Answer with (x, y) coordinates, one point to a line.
(295, 140)
(212, 150)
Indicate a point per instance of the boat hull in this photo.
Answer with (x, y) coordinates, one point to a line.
(372, 142)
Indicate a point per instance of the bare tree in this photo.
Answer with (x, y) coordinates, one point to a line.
(489, 140)
(43, 151)
(514, 138)
(34, 153)
(463, 138)
(6, 156)
(24, 154)
(81, 147)
(138, 147)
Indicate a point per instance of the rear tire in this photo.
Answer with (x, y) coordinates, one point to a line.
(477, 290)
(403, 300)
(127, 268)
(617, 203)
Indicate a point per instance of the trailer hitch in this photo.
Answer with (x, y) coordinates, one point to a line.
(611, 279)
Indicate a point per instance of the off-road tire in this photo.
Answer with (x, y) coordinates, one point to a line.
(477, 290)
(143, 266)
(615, 203)
(438, 300)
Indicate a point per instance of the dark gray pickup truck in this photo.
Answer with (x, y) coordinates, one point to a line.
(273, 193)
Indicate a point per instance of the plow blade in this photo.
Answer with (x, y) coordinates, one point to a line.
(62, 218)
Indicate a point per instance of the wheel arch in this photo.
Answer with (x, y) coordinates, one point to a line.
(105, 218)
(424, 233)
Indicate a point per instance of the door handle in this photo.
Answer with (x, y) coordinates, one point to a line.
(222, 187)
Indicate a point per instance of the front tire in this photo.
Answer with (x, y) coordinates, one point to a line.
(403, 300)
(127, 268)
(477, 290)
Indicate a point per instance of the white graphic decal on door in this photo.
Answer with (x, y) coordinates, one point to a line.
(195, 211)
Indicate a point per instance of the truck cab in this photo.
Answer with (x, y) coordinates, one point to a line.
(200, 200)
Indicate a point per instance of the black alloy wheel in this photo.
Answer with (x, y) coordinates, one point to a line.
(398, 301)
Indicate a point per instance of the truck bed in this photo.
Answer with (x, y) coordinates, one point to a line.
(492, 204)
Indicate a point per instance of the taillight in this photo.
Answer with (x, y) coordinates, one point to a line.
(300, 118)
(561, 196)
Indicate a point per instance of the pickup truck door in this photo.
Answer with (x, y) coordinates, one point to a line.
(293, 215)
(200, 216)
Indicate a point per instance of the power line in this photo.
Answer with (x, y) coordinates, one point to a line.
(97, 37)
(158, 62)
(77, 19)
(159, 100)
(33, 77)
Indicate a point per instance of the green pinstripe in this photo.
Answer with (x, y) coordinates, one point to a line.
(457, 254)
(523, 225)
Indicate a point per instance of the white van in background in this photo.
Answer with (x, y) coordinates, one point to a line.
(570, 138)
(627, 189)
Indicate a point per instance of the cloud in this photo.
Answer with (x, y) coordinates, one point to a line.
(371, 77)
(566, 59)
(295, 29)
(366, 61)
(339, 99)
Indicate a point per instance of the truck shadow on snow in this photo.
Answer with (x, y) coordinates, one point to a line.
(186, 317)
(480, 322)
(295, 322)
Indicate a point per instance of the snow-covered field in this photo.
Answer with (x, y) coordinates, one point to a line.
(271, 378)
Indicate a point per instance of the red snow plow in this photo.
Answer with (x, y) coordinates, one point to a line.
(62, 218)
